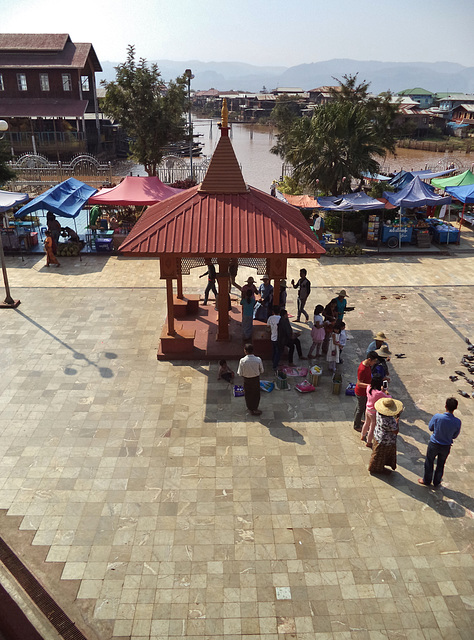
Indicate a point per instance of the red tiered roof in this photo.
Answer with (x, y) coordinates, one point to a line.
(239, 224)
(222, 217)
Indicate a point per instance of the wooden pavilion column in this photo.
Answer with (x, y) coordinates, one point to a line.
(276, 266)
(223, 300)
(169, 271)
(169, 304)
(179, 286)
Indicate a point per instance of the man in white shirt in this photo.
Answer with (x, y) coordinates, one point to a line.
(272, 322)
(250, 368)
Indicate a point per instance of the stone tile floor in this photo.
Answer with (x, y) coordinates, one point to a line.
(150, 505)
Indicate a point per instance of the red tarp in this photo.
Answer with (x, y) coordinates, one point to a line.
(302, 202)
(139, 191)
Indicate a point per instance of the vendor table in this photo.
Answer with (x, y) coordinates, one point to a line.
(446, 233)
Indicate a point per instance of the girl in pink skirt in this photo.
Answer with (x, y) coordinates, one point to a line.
(317, 332)
(374, 393)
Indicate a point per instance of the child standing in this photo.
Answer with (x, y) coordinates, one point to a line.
(333, 349)
(342, 339)
(317, 332)
(225, 372)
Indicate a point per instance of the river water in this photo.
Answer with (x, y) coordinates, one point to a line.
(252, 144)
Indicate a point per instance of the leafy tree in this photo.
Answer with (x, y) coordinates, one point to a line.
(341, 140)
(378, 188)
(150, 111)
(6, 174)
(290, 186)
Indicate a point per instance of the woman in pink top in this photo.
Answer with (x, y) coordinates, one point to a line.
(374, 393)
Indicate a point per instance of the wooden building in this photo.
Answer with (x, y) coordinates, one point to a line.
(48, 94)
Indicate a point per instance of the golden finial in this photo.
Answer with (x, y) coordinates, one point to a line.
(224, 114)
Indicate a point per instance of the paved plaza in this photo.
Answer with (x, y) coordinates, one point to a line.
(150, 505)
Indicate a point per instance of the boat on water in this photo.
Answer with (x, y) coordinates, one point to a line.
(182, 149)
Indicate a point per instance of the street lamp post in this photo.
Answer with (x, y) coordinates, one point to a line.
(189, 75)
(8, 303)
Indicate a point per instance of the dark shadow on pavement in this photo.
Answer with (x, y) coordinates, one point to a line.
(104, 372)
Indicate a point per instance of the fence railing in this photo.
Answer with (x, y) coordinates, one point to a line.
(45, 138)
(34, 169)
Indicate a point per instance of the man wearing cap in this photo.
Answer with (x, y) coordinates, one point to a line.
(304, 288)
(250, 368)
(378, 341)
(364, 378)
(445, 427)
(341, 304)
(265, 290)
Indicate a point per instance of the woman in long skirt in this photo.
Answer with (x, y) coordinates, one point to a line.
(384, 452)
(48, 245)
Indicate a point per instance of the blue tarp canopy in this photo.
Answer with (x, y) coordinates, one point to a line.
(416, 194)
(464, 194)
(358, 201)
(402, 178)
(9, 199)
(65, 200)
(426, 174)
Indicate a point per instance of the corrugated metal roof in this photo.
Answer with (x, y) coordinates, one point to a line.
(243, 224)
(222, 217)
(71, 55)
(33, 41)
(43, 108)
(224, 174)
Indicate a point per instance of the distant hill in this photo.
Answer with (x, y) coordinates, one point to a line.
(383, 76)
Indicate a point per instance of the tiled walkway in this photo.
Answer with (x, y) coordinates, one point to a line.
(150, 505)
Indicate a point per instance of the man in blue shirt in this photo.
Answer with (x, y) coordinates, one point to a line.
(445, 427)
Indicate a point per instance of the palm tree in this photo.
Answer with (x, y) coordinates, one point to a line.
(342, 140)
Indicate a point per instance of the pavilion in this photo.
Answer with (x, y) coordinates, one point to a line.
(220, 219)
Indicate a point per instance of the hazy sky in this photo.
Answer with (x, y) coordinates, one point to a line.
(271, 32)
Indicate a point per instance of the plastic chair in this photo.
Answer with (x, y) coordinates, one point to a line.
(340, 242)
(43, 231)
(327, 237)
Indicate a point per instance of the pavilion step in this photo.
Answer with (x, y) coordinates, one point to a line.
(181, 342)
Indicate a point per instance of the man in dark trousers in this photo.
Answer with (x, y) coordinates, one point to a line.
(288, 338)
(250, 368)
(446, 428)
(304, 286)
(211, 280)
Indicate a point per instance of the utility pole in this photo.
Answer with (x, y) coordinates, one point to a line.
(189, 75)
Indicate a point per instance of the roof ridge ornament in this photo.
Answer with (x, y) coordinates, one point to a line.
(224, 114)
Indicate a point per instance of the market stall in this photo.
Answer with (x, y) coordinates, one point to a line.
(402, 227)
(117, 209)
(14, 236)
(464, 194)
(64, 200)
